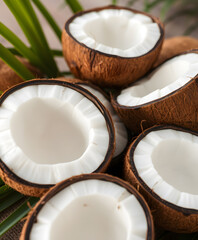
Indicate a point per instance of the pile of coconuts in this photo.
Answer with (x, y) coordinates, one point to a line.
(131, 111)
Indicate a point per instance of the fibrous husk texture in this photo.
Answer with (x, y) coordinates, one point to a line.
(174, 46)
(177, 108)
(166, 215)
(103, 69)
(20, 185)
(9, 78)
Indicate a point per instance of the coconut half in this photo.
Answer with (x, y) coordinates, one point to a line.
(174, 46)
(168, 95)
(87, 207)
(111, 46)
(163, 163)
(8, 76)
(51, 130)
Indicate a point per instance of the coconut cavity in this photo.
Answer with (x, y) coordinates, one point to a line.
(121, 135)
(165, 79)
(91, 209)
(176, 162)
(116, 31)
(167, 162)
(50, 132)
(92, 214)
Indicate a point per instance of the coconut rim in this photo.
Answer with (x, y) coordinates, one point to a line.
(96, 176)
(97, 88)
(154, 19)
(111, 147)
(114, 95)
(130, 154)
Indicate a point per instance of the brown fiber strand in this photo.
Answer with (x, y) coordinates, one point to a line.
(174, 46)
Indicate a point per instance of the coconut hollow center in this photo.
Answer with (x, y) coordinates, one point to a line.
(165, 75)
(49, 131)
(90, 217)
(176, 161)
(165, 79)
(116, 31)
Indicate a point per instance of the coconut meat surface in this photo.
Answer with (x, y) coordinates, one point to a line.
(167, 162)
(91, 209)
(49, 133)
(120, 130)
(167, 78)
(116, 32)
(52, 131)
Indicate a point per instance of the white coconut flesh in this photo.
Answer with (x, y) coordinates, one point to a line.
(167, 161)
(120, 130)
(165, 79)
(91, 209)
(49, 133)
(116, 31)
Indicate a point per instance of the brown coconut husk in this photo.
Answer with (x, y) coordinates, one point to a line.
(64, 184)
(174, 46)
(37, 190)
(178, 108)
(166, 215)
(8, 76)
(104, 69)
(21, 185)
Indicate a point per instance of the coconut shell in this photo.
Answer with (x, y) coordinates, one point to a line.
(37, 190)
(174, 46)
(64, 184)
(167, 215)
(177, 108)
(21, 185)
(8, 76)
(104, 69)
